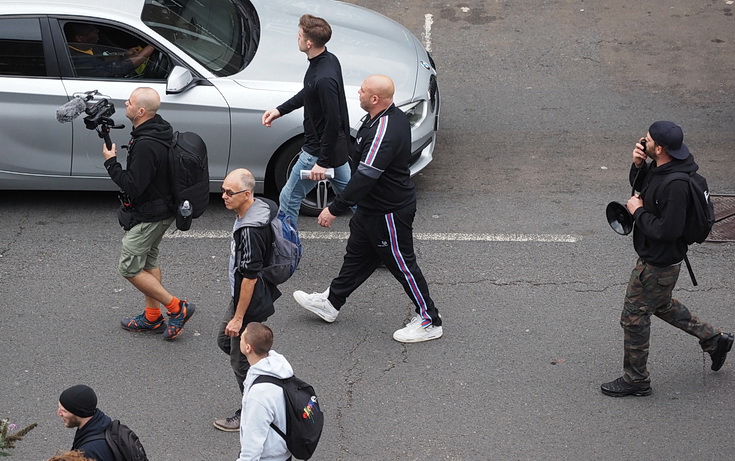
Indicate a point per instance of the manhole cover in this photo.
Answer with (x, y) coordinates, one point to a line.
(724, 228)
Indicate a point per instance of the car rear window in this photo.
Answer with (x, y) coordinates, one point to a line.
(21, 48)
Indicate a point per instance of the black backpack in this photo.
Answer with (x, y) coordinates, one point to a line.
(304, 419)
(700, 211)
(188, 167)
(123, 442)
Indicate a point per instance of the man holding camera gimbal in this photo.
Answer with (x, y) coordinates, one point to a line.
(147, 202)
(660, 214)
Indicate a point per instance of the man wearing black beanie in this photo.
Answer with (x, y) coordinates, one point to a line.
(78, 408)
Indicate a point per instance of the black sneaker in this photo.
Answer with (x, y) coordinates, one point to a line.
(620, 388)
(176, 322)
(724, 344)
(142, 324)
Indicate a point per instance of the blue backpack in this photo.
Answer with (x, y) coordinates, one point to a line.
(285, 252)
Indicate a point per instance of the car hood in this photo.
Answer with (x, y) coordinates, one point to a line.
(364, 41)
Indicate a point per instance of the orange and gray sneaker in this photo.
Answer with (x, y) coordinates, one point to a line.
(142, 324)
(177, 321)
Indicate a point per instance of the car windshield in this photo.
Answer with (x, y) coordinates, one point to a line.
(220, 34)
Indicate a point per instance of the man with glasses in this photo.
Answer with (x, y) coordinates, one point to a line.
(252, 297)
(145, 184)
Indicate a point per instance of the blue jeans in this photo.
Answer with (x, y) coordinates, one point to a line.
(296, 188)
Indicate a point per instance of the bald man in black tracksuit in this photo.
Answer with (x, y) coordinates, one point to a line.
(381, 228)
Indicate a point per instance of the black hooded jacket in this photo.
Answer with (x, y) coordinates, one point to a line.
(146, 177)
(91, 439)
(659, 223)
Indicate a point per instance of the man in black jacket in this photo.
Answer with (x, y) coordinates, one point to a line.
(252, 297)
(326, 121)
(78, 409)
(660, 214)
(381, 231)
(146, 181)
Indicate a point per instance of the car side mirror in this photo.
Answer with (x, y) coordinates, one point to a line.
(179, 80)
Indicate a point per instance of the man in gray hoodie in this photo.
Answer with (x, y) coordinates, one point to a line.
(265, 403)
(252, 297)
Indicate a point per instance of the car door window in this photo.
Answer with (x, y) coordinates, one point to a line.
(21, 48)
(104, 51)
(220, 34)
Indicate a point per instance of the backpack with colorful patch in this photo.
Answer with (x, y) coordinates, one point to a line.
(304, 418)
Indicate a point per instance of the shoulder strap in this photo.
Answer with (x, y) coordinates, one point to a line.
(680, 175)
(89, 438)
(167, 144)
(114, 427)
(677, 175)
(269, 379)
(169, 166)
(278, 382)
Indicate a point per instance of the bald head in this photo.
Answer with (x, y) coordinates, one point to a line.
(376, 94)
(142, 105)
(381, 85)
(241, 179)
(237, 191)
(147, 98)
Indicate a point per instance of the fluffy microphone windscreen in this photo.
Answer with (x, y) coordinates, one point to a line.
(71, 110)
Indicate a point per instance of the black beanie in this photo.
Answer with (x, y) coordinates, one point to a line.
(79, 400)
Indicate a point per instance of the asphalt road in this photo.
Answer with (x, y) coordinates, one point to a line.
(542, 103)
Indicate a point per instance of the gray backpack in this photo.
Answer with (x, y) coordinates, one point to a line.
(285, 252)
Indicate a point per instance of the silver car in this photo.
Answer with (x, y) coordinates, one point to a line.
(218, 64)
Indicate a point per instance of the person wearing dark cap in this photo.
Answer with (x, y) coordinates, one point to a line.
(78, 409)
(660, 214)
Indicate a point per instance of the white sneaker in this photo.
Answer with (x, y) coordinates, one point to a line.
(413, 332)
(318, 304)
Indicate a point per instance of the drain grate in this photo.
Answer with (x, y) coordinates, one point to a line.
(724, 228)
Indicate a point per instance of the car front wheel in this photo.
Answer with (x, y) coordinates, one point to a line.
(316, 200)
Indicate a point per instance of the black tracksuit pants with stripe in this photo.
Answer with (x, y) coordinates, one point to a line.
(388, 239)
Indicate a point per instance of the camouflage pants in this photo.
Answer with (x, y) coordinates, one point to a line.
(649, 293)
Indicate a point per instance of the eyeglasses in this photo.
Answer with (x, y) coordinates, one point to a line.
(230, 193)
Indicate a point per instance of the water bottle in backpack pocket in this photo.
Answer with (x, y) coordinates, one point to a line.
(184, 216)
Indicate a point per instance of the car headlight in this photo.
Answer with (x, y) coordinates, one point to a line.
(415, 111)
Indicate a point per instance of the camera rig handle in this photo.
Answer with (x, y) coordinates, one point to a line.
(103, 130)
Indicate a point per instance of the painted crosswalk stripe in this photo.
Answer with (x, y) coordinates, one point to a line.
(428, 236)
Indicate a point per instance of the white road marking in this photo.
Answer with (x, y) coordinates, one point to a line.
(428, 236)
(428, 21)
